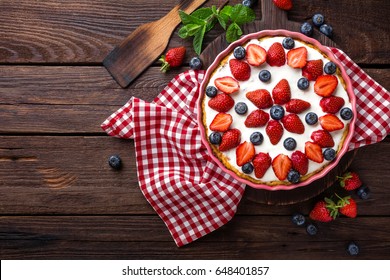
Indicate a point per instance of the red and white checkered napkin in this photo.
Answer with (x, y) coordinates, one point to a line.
(190, 193)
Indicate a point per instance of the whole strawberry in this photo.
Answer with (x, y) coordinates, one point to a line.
(350, 181)
(173, 58)
(347, 206)
(283, 4)
(324, 211)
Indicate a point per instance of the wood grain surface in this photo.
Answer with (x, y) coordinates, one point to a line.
(60, 199)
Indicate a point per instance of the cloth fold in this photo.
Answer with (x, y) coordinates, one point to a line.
(190, 193)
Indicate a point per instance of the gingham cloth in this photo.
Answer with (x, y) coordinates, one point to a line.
(190, 193)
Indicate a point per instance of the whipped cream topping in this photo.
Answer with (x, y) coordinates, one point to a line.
(277, 73)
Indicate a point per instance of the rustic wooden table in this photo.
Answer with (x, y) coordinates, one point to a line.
(59, 199)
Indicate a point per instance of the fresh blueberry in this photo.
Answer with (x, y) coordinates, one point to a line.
(306, 29)
(330, 68)
(115, 162)
(277, 112)
(256, 138)
(352, 249)
(196, 63)
(318, 20)
(211, 91)
(264, 75)
(247, 168)
(363, 192)
(303, 83)
(249, 3)
(290, 144)
(326, 29)
(288, 43)
(215, 138)
(346, 114)
(311, 118)
(298, 219)
(239, 52)
(311, 229)
(329, 154)
(241, 108)
(293, 176)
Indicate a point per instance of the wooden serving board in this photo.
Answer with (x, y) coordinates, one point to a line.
(275, 18)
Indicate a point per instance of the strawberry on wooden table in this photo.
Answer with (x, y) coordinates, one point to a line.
(313, 69)
(274, 131)
(221, 122)
(276, 55)
(255, 55)
(173, 58)
(293, 123)
(281, 165)
(313, 152)
(332, 104)
(283, 4)
(227, 84)
(261, 98)
(221, 103)
(331, 122)
(240, 69)
(244, 153)
(296, 58)
(297, 106)
(324, 211)
(261, 163)
(325, 85)
(347, 207)
(230, 139)
(257, 118)
(281, 93)
(350, 181)
(322, 138)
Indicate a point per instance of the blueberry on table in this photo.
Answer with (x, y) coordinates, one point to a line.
(256, 138)
(303, 83)
(277, 112)
(330, 68)
(346, 114)
(215, 138)
(239, 52)
(318, 20)
(326, 29)
(306, 29)
(363, 192)
(115, 162)
(264, 75)
(249, 3)
(247, 168)
(241, 108)
(311, 118)
(329, 154)
(298, 219)
(196, 63)
(290, 144)
(293, 176)
(211, 91)
(352, 249)
(311, 229)
(288, 43)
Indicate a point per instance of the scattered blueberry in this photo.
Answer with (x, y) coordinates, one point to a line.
(311, 118)
(256, 138)
(290, 144)
(277, 112)
(363, 192)
(311, 229)
(306, 29)
(247, 168)
(241, 108)
(196, 63)
(326, 29)
(346, 113)
(318, 20)
(288, 43)
(329, 154)
(293, 176)
(215, 138)
(249, 3)
(298, 219)
(239, 52)
(115, 162)
(352, 249)
(211, 91)
(330, 68)
(264, 75)
(303, 83)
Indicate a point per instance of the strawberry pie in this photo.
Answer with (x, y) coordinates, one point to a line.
(276, 110)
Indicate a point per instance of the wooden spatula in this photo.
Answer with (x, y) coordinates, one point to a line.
(142, 47)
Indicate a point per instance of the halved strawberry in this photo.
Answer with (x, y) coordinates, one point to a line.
(255, 54)
(227, 84)
(257, 118)
(261, 98)
(261, 163)
(221, 103)
(296, 58)
(293, 123)
(331, 122)
(322, 138)
(281, 93)
(313, 69)
(313, 152)
(244, 153)
(274, 131)
(325, 85)
(221, 122)
(240, 69)
(332, 104)
(276, 55)
(297, 106)
(281, 166)
(300, 162)
(230, 139)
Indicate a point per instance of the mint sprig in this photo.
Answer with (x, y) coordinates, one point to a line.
(201, 21)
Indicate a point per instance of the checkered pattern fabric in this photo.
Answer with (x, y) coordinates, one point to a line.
(190, 193)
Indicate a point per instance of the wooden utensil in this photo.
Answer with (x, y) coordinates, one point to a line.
(142, 47)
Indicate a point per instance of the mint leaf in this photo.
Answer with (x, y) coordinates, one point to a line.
(202, 13)
(222, 21)
(188, 19)
(183, 32)
(192, 29)
(198, 40)
(233, 32)
(241, 14)
(226, 11)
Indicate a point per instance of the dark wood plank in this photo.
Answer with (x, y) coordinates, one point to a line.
(108, 237)
(70, 175)
(85, 32)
